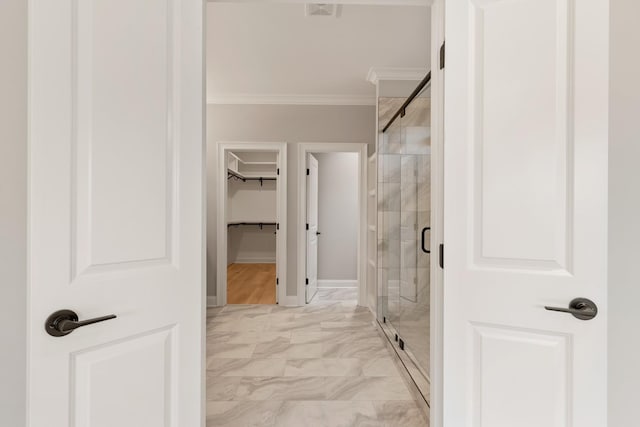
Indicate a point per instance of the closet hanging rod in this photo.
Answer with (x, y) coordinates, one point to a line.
(234, 175)
(259, 224)
(409, 100)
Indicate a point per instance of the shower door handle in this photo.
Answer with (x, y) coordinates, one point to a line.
(425, 250)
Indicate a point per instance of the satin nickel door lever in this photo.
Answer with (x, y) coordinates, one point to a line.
(580, 308)
(63, 322)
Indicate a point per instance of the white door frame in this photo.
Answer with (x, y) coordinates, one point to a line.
(330, 147)
(221, 210)
(437, 216)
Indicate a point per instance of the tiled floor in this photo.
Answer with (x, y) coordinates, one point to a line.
(321, 365)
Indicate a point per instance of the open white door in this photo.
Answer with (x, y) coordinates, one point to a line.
(525, 212)
(116, 208)
(312, 228)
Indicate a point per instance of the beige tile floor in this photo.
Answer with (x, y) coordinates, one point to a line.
(321, 365)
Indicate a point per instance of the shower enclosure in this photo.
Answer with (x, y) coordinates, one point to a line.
(404, 225)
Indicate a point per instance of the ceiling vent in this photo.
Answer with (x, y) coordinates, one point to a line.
(323, 9)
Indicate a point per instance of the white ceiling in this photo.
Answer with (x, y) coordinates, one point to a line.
(269, 50)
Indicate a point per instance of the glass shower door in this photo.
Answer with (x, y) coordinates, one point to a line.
(415, 226)
(389, 200)
(404, 234)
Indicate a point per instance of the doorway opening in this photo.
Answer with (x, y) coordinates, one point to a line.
(251, 213)
(332, 225)
(332, 210)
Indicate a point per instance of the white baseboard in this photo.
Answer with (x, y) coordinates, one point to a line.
(337, 283)
(265, 260)
(212, 301)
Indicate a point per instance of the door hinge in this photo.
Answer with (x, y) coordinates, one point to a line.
(308, 171)
(441, 255)
(306, 281)
(307, 226)
(401, 343)
(277, 226)
(442, 53)
(278, 171)
(277, 281)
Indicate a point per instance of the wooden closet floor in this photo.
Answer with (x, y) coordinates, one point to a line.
(251, 284)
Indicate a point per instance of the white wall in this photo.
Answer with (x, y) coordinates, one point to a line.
(279, 123)
(250, 201)
(338, 216)
(624, 214)
(250, 244)
(13, 211)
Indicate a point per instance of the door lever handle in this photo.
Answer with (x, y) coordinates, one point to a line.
(580, 308)
(63, 322)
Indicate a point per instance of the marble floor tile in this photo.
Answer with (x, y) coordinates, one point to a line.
(295, 327)
(301, 413)
(323, 367)
(288, 351)
(338, 336)
(400, 413)
(246, 367)
(363, 316)
(381, 367)
(217, 335)
(242, 414)
(281, 388)
(221, 388)
(234, 317)
(351, 414)
(366, 388)
(225, 350)
(248, 309)
(240, 325)
(310, 337)
(347, 325)
(337, 294)
(212, 311)
(363, 349)
(257, 337)
(321, 317)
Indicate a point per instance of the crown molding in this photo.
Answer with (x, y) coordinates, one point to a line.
(377, 74)
(272, 99)
(341, 2)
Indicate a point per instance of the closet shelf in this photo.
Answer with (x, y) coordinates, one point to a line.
(259, 163)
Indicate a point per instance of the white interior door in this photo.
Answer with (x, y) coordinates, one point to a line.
(312, 228)
(525, 212)
(278, 234)
(116, 207)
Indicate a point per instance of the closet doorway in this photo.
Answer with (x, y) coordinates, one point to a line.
(251, 213)
(332, 216)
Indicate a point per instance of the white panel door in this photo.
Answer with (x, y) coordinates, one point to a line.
(525, 212)
(116, 206)
(312, 228)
